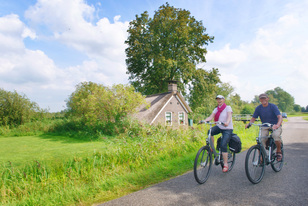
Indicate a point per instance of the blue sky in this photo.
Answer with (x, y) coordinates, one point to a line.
(48, 47)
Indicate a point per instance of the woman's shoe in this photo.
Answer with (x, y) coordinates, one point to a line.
(225, 169)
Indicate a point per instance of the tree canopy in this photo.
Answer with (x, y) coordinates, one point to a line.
(168, 47)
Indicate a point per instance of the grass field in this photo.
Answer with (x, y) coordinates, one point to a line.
(22, 150)
(58, 170)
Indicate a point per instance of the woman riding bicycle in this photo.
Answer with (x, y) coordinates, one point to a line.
(222, 113)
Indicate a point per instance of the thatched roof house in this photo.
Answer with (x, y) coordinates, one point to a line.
(169, 108)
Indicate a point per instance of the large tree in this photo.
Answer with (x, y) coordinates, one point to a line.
(167, 47)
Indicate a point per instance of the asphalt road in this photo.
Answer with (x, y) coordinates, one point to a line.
(287, 187)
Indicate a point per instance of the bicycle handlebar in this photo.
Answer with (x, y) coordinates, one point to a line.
(261, 125)
(211, 123)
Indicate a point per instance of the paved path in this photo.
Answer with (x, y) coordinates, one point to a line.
(285, 188)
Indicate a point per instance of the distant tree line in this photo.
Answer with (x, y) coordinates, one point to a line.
(303, 109)
(95, 105)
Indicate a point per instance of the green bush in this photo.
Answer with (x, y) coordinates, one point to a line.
(94, 103)
(16, 109)
(247, 109)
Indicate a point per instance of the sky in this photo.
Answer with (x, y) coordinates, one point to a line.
(48, 47)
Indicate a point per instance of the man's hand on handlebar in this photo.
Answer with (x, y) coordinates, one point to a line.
(275, 126)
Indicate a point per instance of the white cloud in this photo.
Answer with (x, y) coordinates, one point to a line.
(227, 58)
(276, 57)
(103, 41)
(18, 64)
(69, 22)
(12, 32)
(60, 16)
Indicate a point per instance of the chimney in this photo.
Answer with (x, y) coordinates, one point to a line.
(172, 86)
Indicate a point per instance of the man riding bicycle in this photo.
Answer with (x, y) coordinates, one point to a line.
(269, 113)
(222, 113)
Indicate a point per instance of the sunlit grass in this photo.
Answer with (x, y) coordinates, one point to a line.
(21, 150)
(299, 114)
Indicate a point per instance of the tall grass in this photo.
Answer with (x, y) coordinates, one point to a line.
(141, 156)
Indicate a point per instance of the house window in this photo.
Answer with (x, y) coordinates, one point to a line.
(168, 118)
(181, 118)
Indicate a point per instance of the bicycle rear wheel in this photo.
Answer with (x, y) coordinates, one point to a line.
(203, 164)
(231, 159)
(277, 165)
(255, 164)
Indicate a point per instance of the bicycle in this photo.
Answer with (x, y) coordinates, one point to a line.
(203, 160)
(257, 157)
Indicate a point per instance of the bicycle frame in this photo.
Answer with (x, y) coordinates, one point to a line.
(210, 142)
(259, 141)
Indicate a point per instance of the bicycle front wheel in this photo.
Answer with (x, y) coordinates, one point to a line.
(277, 165)
(255, 164)
(203, 164)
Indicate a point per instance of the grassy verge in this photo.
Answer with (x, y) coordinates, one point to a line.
(299, 114)
(57, 170)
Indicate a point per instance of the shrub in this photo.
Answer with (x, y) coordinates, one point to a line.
(96, 104)
(16, 109)
(248, 109)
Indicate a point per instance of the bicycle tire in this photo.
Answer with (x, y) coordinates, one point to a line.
(203, 164)
(231, 160)
(277, 166)
(254, 167)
